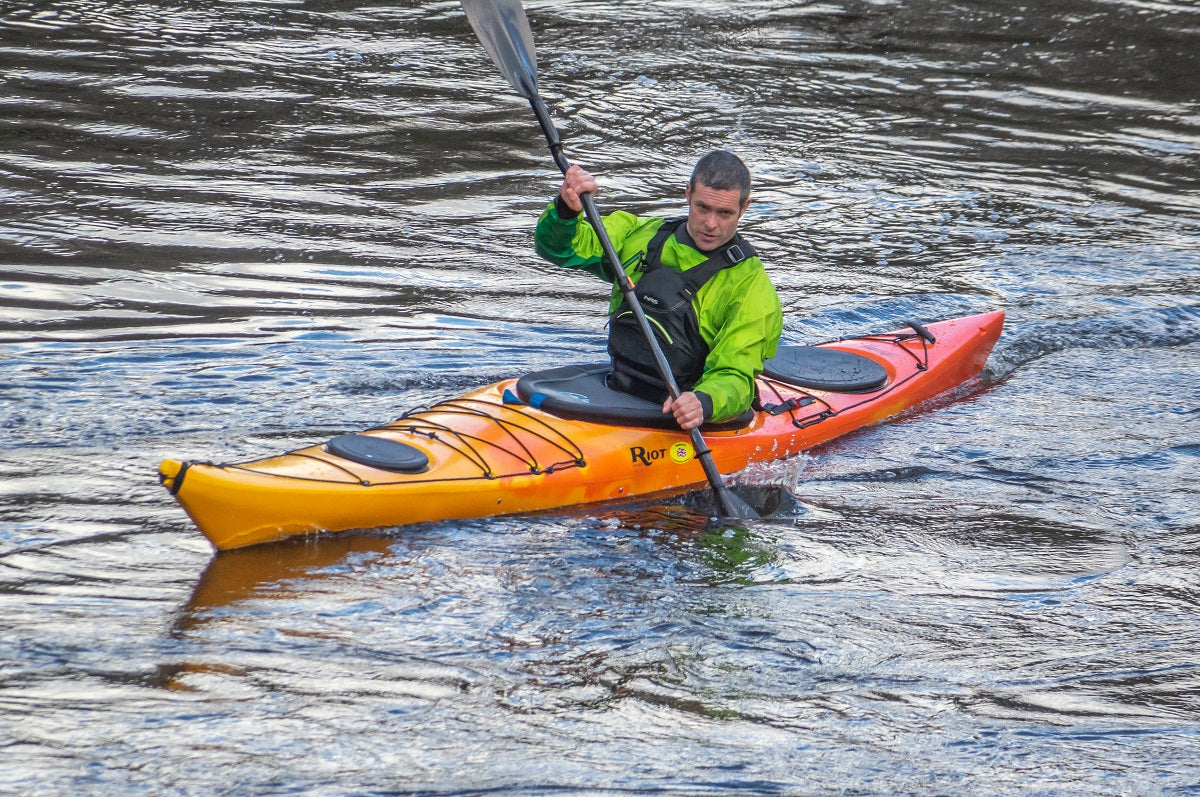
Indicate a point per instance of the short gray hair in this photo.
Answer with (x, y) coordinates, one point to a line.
(724, 171)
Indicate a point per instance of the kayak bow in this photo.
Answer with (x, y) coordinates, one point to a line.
(560, 438)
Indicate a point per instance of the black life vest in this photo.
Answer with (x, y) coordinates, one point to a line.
(666, 296)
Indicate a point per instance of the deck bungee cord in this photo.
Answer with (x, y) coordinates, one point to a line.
(413, 422)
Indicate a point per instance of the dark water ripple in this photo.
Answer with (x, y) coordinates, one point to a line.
(228, 229)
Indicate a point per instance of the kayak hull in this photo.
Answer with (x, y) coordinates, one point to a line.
(491, 455)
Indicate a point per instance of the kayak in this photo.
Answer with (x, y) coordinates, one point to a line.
(562, 438)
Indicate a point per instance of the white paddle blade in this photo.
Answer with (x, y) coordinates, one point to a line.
(504, 32)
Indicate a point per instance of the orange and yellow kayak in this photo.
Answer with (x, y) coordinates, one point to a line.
(557, 439)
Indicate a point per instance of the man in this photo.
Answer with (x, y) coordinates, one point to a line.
(736, 309)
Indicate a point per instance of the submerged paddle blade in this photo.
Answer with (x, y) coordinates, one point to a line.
(734, 507)
(504, 32)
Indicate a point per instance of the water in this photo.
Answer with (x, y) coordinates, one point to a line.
(230, 229)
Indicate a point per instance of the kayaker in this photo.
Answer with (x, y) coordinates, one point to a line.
(735, 321)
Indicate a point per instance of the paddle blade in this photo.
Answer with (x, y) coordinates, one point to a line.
(504, 32)
(734, 507)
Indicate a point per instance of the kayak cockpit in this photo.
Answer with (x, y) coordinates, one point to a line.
(581, 392)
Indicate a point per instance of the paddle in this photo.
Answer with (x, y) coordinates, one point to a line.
(504, 31)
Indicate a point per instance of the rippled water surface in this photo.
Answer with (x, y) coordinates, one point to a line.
(228, 229)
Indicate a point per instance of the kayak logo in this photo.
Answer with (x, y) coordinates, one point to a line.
(678, 453)
(681, 452)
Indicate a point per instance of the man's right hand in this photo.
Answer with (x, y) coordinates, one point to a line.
(576, 183)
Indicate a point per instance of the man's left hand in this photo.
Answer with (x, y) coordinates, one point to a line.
(688, 411)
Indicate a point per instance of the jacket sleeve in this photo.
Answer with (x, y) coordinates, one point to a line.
(573, 243)
(740, 317)
(567, 242)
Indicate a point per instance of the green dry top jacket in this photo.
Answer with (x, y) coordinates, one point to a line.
(738, 308)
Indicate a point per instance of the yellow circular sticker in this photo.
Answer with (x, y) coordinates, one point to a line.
(681, 453)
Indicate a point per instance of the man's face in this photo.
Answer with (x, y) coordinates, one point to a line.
(713, 215)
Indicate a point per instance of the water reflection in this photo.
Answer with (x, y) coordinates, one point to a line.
(243, 574)
(729, 552)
